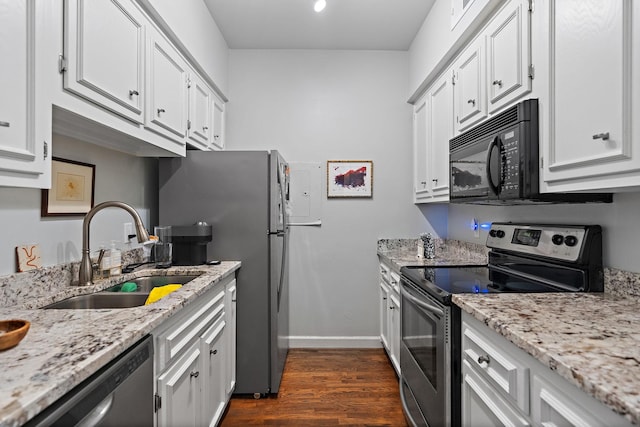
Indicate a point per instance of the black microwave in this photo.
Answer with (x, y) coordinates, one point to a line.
(497, 162)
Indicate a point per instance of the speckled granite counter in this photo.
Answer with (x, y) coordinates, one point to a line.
(591, 340)
(64, 347)
(401, 252)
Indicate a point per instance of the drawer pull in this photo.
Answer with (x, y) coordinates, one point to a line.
(213, 351)
(472, 102)
(483, 359)
(5, 124)
(497, 82)
(602, 136)
(133, 92)
(161, 110)
(194, 374)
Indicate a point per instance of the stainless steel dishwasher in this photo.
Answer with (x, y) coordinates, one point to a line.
(119, 394)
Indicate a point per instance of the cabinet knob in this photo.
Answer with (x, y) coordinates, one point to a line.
(423, 182)
(602, 136)
(483, 359)
(391, 308)
(384, 298)
(161, 110)
(204, 128)
(233, 300)
(472, 102)
(497, 82)
(435, 180)
(215, 351)
(216, 136)
(194, 374)
(133, 92)
(5, 124)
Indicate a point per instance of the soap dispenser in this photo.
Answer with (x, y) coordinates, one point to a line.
(116, 259)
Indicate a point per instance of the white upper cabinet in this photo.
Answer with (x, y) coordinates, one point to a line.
(439, 132)
(24, 140)
(200, 117)
(104, 47)
(470, 102)
(420, 188)
(590, 133)
(219, 116)
(508, 39)
(167, 92)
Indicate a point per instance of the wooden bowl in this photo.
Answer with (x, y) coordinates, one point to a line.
(12, 332)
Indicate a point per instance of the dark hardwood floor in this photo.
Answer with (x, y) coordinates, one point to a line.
(326, 387)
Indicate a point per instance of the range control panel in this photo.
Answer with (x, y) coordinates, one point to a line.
(563, 242)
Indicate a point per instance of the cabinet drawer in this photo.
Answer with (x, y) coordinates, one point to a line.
(384, 272)
(497, 365)
(394, 281)
(185, 330)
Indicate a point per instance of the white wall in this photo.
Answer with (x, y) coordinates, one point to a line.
(318, 105)
(619, 220)
(119, 176)
(192, 23)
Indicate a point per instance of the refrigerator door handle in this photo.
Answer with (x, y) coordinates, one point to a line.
(282, 233)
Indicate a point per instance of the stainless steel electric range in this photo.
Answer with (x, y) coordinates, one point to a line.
(522, 258)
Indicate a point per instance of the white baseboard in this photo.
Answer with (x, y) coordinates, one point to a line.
(334, 342)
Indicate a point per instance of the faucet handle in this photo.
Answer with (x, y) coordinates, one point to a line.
(98, 263)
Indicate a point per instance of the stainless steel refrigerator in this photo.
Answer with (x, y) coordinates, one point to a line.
(243, 195)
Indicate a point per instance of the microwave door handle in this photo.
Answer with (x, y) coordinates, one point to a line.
(495, 189)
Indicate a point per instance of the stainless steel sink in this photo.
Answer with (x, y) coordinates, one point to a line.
(113, 298)
(146, 283)
(102, 300)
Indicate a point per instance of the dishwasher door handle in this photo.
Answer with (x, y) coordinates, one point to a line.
(96, 416)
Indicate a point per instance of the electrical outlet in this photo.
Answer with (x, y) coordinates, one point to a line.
(476, 228)
(128, 230)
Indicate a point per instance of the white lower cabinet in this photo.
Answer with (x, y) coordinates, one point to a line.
(389, 310)
(504, 386)
(193, 369)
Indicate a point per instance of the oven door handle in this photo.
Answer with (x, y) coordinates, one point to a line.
(420, 303)
(403, 400)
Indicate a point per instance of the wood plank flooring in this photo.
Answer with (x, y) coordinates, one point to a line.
(326, 387)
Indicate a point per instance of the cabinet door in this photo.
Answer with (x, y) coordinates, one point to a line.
(218, 123)
(179, 388)
(104, 47)
(394, 330)
(23, 161)
(420, 187)
(167, 107)
(213, 367)
(384, 322)
(230, 310)
(508, 55)
(440, 131)
(481, 405)
(470, 86)
(200, 102)
(590, 82)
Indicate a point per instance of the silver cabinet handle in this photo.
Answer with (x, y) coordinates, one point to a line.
(5, 124)
(472, 102)
(602, 136)
(435, 180)
(213, 351)
(161, 110)
(194, 374)
(497, 82)
(483, 359)
(133, 92)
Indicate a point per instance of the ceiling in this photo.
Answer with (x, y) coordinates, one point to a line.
(343, 24)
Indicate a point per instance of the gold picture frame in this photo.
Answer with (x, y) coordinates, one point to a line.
(72, 189)
(349, 178)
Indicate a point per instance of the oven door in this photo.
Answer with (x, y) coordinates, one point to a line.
(425, 358)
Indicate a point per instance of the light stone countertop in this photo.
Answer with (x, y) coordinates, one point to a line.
(590, 339)
(64, 347)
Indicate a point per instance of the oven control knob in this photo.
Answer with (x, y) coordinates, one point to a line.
(492, 233)
(570, 240)
(500, 234)
(557, 239)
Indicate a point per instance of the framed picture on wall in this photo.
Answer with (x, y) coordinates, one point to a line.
(349, 178)
(72, 189)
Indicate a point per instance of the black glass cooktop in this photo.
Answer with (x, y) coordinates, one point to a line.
(441, 282)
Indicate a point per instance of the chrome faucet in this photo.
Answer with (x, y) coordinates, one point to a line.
(85, 274)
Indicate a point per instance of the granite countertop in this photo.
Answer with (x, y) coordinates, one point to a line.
(64, 347)
(591, 340)
(402, 252)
